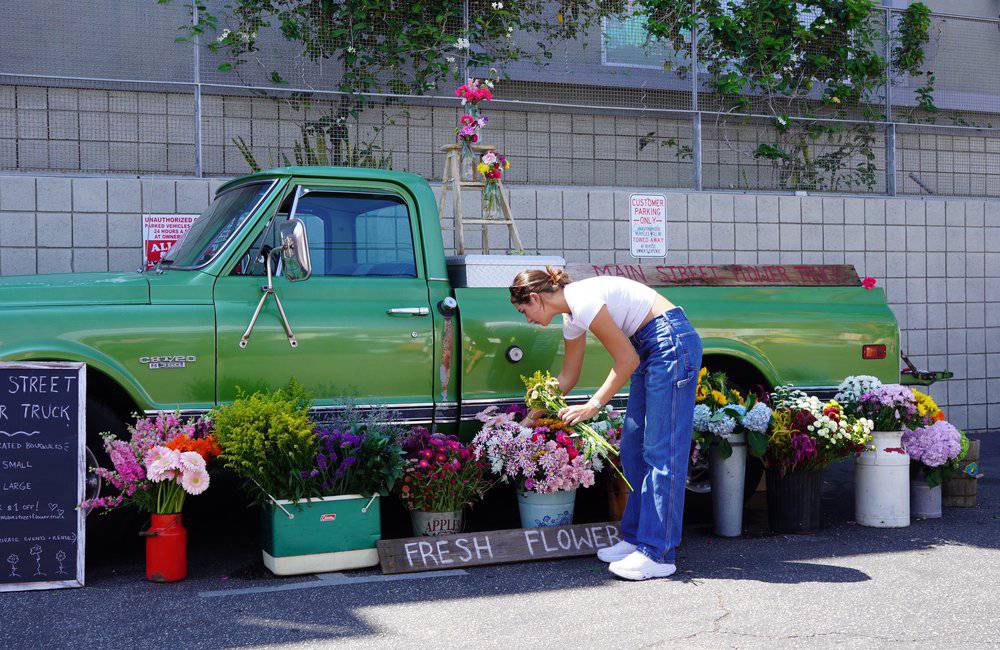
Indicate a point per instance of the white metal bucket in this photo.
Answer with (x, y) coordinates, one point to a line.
(882, 483)
(552, 509)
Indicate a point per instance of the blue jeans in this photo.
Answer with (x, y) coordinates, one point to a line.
(656, 438)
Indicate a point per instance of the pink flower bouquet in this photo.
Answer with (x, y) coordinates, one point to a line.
(542, 459)
(165, 459)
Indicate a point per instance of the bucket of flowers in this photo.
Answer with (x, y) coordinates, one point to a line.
(318, 484)
(609, 422)
(936, 449)
(546, 463)
(165, 459)
(881, 477)
(723, 423)
(805, 436)
(440, 479)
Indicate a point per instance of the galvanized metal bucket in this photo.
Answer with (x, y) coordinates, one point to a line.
(728, 476)
(433, 524)
(881, 483)
(925, 501)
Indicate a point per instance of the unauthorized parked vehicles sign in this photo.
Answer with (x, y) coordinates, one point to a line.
(648, 218)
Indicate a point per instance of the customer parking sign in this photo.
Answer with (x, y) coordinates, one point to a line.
(648, 216)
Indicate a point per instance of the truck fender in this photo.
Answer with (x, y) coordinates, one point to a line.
(720, 347)
(93, 358)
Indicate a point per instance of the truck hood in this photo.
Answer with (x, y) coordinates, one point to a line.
(74, 289)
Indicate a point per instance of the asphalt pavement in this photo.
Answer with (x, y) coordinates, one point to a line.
(932, 584)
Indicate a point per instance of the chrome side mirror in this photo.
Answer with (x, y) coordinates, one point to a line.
(294, 250)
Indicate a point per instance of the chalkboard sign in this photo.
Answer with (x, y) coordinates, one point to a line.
(42, 474)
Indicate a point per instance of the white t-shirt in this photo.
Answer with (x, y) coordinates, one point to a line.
(627, 301)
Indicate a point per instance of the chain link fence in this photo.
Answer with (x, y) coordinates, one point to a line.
(610, 106)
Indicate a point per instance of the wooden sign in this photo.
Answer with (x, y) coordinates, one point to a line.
(42, 473)
(743, 275)
(494, 547)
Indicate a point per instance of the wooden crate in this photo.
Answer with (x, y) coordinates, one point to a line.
(960, 491)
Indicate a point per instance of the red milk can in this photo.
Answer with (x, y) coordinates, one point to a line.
(166, 549)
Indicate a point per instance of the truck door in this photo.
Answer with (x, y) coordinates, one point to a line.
(362, 320)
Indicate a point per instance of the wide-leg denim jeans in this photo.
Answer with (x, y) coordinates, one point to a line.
(656, 438)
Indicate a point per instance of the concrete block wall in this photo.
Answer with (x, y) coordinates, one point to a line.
(938, 259)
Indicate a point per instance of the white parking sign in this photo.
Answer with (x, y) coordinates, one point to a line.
(648, 216)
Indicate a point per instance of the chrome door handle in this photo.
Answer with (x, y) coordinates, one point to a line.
(408, 311)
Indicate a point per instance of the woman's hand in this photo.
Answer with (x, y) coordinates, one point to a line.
(532, 416)
(576, 414)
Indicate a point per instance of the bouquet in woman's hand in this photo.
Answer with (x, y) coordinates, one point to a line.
(543, 393)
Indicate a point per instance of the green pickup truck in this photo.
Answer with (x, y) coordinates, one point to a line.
(373, 309)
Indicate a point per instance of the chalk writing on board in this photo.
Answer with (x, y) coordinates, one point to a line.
(11, 434)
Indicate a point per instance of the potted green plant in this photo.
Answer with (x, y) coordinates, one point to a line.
(440, 479)
(318, 486)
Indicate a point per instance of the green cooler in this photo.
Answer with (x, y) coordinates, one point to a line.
(320, 535)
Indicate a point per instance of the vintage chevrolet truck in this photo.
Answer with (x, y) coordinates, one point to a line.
(373, 310)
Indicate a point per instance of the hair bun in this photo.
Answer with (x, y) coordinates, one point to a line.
(558, 277)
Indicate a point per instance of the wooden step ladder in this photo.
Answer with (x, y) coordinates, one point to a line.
(452, 182)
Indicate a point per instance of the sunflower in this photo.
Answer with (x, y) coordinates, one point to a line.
(720, 398)
(702, 394)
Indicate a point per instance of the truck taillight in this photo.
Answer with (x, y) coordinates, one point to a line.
(873, 352)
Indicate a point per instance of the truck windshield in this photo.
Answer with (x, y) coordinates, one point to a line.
(213, 229)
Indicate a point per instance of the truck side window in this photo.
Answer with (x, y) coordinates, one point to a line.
(358, 234)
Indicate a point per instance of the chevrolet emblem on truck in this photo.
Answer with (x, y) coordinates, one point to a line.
(167, 361)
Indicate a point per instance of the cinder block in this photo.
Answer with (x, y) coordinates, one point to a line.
(935, 212)
(812, 238)
(745, 209)
(55, 260)
(833, 210)
(699, 207)
(17, 192)
(790, 209)
(677, 207)
(54, 194)
(90, 230)
(602, 235)
(602, 204)
(746, 237)
(192, 196)
(812, 209)
(575, 204)
(18, 261)
(767, 210)
(723, 208)
(723, 237)
(576, 235)
(875, 238)
(55, 230)
(854, 210)
(875, 211)
(124, 195)
(90, 195)
(700, 236)
(17, 229)
(767, 237)
(522, 204)
(790, 237)
(895, 212)
(550, 233)
(158, 196)
(549, 202)
(124, 259)
(125, 230)
(954, 213)
(90, 259)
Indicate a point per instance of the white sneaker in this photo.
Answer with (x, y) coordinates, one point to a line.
(619, 551)
(637, 566)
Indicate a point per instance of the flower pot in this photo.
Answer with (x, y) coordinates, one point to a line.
(728, 476)
(433, 524)
(793, 501)
(617, 497)
(166, 549)
(881, 483)
(553, 509)
(925, 501)
(320, 535)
